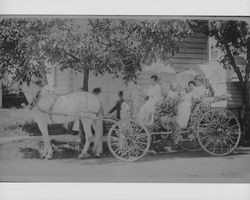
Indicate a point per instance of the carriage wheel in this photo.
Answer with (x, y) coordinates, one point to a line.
(128, 140)
(218, 131)
(190, 144)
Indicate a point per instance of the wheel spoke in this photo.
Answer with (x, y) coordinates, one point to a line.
(231, 136)
(214, 147)
(221, 147)
(117, 143)
(207, 142)
(139, 142)
(142, 135)
(134, 126)
(207, 136)
(226, 144)
(137, 132)
(138, 147)
(233, 128)
(117, 131)
(118, 149)
(125, 150)
(230, 139)
(208, 118)
(205, 124)
(142, 147)
(226, 121)
(134, 151)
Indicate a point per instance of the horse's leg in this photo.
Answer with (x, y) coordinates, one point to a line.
(98, 126)
(82, 136)
(87, 129)
(43, 126)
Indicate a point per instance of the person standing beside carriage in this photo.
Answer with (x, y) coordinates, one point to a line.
(118, 106)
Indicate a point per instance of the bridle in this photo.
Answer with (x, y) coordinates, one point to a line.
(36, 97)
(35, 100)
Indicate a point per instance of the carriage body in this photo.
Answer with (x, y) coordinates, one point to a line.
(216, 130)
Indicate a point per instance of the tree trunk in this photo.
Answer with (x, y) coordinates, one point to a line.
(247, 94)
(85, 88)
(86, 80)
(235, 67)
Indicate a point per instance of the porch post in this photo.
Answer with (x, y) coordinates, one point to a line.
(209, 47)
(247, 93)
(1, 94)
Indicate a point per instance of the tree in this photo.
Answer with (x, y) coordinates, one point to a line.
(21, 49)
(232, 38)
(116, 46)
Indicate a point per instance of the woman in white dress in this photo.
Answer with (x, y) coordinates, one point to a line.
(153, 93)
(184, 108)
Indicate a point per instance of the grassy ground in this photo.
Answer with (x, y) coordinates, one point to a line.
(18, 122)
(64, 147)
(11, 121)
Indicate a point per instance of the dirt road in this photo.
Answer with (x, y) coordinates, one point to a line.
(19, 162)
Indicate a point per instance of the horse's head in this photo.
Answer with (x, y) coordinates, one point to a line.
(30, 89)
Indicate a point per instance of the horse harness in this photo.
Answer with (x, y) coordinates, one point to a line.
(37, 97)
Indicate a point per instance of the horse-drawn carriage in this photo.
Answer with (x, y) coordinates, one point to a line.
(213, 129)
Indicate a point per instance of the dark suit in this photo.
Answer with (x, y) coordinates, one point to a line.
(117, 108)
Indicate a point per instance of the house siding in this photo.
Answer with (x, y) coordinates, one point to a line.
(193, 54)
(237, 95)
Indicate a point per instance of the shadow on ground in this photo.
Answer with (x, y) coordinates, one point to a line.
(61, 150)
(70, 150)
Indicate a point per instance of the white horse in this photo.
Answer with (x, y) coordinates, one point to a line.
(54, 108)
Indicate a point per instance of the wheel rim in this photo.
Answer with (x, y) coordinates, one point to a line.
(218, 131)
(128, 140)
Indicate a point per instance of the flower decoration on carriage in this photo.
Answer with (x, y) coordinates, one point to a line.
(197, 99)
(198, 106)
(166, 111)
(127, 109)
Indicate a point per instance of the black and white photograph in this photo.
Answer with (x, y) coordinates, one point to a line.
(124, 98)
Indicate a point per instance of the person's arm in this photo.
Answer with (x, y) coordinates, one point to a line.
(114, 108)
(101, 112)
(144, 93)
(211, 89)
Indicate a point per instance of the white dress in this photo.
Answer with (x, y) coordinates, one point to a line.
(184, 108)
(199, 91)
(146, 112)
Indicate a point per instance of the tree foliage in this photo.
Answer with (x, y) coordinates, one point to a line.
(21, 51)
(116, 46)
(231, 39)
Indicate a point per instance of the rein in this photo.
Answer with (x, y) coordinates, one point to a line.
(35, 100)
